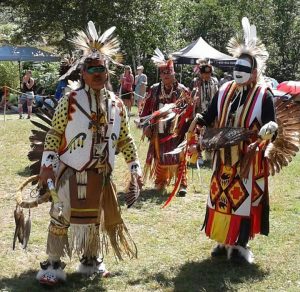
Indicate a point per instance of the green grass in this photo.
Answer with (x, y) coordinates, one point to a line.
(174, 255)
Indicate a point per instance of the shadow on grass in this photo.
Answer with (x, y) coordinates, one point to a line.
(146, 196)
(24, 172)
(75, 282)
(208, 275)
(215, 275)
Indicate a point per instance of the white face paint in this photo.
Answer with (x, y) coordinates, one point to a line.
(242, 71)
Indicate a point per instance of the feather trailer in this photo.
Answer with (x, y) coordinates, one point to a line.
(35, 167)
(41, 126)
(35, 154)
(44, 118)
(133, 191)
(37, 136)
(281, 151)
(46, 112)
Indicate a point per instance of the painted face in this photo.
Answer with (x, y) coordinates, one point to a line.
(242, 71)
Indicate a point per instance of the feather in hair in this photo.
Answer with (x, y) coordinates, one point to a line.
(248, 43)
(158, 58)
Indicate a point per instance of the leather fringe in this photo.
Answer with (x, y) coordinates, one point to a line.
(121, 241)
(85, 240)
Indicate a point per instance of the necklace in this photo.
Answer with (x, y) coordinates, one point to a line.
(164, 95)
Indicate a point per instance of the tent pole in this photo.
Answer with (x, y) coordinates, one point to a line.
(180, 72)
(20, 77)
(4, 96)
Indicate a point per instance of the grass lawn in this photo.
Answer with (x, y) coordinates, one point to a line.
(174, 255)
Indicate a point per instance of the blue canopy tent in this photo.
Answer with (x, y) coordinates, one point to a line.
(14, 53)
(21, 54)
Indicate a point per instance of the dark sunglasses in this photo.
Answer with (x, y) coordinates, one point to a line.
(96, 69)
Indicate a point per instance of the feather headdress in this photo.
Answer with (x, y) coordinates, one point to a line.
(95, 45)
(164, 65)
(249, 44)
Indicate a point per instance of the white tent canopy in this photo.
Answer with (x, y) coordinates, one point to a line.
(200, 49)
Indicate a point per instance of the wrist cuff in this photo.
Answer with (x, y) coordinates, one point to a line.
(135, 167)
(48, 158)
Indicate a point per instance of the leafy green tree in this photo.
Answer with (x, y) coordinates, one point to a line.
(168, 24)
(9, 74)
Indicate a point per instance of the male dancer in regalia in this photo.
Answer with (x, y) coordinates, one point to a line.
(89, 125)
(238, 204)
(165, 167)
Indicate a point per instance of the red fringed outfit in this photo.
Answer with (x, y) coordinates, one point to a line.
(158, 165)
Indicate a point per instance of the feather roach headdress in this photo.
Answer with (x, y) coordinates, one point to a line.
(249, 44)
(95, 45)
(164, 65)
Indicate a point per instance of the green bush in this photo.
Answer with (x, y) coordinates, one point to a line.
(9, 74)
(44, 74)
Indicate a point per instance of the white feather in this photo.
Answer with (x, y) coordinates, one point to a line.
(92, 30)
(253, 34)
(246, 28)
(107, 34)
(159, 54)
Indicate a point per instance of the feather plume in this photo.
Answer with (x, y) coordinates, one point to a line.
(95, 45)
(246, 28)
(92, 31)
(158, 58)
(248, 43)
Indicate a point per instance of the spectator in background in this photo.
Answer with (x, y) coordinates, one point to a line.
(39, 97)
(227, 77)
(49, 100)
(27, 94)
(140, 82)
(204, 88)
(127, 81)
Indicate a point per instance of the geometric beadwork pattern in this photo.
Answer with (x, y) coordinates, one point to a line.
(215, 189)
(236, 193)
